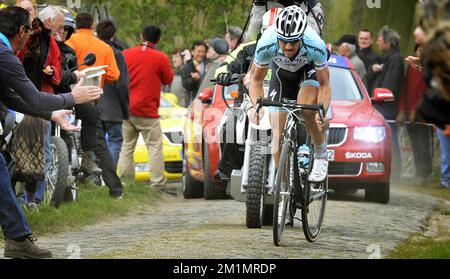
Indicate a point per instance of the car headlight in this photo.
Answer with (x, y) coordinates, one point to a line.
(370, 134)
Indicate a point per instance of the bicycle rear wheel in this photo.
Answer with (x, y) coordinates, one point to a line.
(283, 192)
(313, 208)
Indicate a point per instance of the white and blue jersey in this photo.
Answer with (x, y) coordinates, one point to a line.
(313, 50)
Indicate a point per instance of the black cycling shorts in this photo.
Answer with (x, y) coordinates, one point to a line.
(286, 85)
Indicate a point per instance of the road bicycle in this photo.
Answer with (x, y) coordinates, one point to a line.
(292, 189)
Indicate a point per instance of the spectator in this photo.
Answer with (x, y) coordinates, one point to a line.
(149, 68)
(84, 42)
(232, 36)
(87, 112)
(41, 59)
(113, 106)
(192, 73)
(18, 93)
(346, 46)
(177, 86)
(368, 56)
(421, 136)
(390, 75)
(28, 5)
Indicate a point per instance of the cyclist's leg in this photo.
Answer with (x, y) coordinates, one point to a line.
(283, 84)
(308, 94)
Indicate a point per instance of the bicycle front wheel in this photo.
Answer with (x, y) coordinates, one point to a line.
(313, 209)
(283, 191)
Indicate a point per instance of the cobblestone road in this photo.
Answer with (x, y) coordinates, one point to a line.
(179, 228)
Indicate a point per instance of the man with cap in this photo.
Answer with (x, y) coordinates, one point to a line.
(346, 46)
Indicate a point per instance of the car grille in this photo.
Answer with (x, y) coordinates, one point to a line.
(340, 168)
(336, 135)
(174, 167)
(174, 137)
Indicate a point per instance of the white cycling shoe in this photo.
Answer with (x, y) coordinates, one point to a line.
(319, 171)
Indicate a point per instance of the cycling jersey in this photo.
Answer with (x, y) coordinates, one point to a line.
(313, 50)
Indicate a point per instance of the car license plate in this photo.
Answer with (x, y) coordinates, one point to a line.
(330, 155)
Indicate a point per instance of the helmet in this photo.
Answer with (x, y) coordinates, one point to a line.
(69, 24)
(269, 18)
(291, 23)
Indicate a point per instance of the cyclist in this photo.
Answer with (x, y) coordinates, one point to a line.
(298, 59)
(313, 9)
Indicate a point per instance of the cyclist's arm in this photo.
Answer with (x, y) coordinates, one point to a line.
(256, 84)
(324, 96)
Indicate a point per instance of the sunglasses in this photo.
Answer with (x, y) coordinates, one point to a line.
(292, 42)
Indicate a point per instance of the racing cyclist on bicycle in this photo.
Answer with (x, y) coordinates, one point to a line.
(298, 59)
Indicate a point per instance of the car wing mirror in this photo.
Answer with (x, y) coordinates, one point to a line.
(206, 95)
(382, 95)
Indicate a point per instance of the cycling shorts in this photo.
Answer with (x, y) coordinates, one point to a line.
(286, 85)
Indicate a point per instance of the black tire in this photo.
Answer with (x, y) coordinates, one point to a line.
(192, 188)
(379, 193)
(282, 203)
(313, 208)
(211, 191)
(57, 176)
(255, 188)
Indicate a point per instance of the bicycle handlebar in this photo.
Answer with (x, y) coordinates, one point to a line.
(235, 79)
(268, 103)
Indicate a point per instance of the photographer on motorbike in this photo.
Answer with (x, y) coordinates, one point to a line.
(298, 59)
(232, 157)
(312, 8)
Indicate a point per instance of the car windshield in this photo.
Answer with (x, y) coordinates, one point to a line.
(343, 85)
(164, 103)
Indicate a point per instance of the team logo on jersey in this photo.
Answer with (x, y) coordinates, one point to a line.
(299, 61)
(273, 94)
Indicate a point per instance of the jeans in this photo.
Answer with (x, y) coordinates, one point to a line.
(421, 137)
(40, 185)
(396, 167)
(87, 112)
(445, 158)
(114, 139)
(13, 221)
(107, 164)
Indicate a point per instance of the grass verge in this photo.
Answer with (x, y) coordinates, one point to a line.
(93, 204)
(422, 249)
(421, 246)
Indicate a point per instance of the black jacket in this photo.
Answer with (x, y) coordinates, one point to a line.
(188, 82)
(391, 77)
(68, 61)
(242, 62)
(114, 104)
(369, 57)
(19, 93)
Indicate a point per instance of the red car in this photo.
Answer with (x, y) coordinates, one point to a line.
(359, 141)
(201, 151)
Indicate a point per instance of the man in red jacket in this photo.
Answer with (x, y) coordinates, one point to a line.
(148, 69)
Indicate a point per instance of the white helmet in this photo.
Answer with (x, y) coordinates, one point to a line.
(269, 18)
(291, 23)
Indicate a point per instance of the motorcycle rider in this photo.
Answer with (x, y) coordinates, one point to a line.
(312, 8)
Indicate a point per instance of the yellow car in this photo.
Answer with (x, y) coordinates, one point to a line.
(172, 121)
